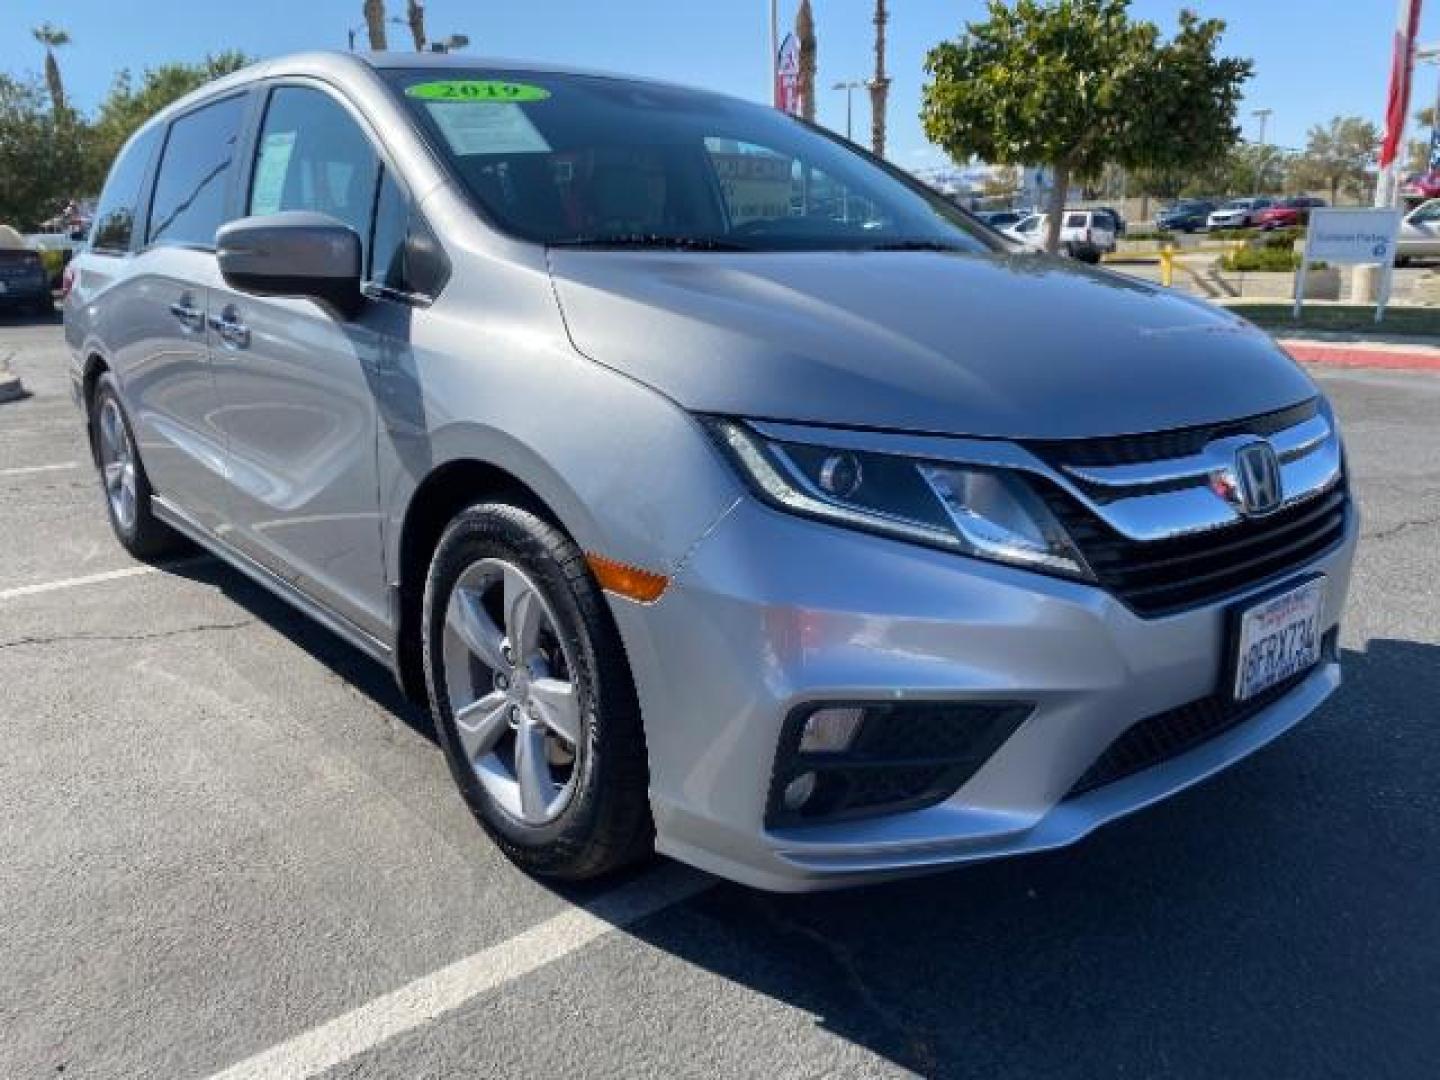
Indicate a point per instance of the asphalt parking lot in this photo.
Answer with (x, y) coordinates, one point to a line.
(228, 844)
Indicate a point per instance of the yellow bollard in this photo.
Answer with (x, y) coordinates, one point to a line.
(1167, 265)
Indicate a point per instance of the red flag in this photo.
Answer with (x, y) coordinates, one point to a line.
(1402, 64)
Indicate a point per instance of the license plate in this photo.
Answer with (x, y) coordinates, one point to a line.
(1278, 638)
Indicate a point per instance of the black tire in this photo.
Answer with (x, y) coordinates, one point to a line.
(606, 822)
(145, 537)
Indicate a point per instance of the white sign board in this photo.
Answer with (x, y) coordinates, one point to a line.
(1352, 237)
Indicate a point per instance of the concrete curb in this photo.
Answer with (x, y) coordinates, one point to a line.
(1363, 355)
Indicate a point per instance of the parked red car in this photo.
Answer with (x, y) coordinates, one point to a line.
(1426, 186)
(1288, 213)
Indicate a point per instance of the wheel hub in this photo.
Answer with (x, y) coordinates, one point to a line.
(508, 681)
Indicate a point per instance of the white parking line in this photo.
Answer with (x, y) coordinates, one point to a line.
(433, 995)
(26, 470)
(75, 582)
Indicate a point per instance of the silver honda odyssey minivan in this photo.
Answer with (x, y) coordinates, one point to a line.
(719, 488)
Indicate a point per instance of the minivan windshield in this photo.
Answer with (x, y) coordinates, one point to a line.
(591, 161)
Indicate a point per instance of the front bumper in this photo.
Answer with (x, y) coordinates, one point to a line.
(770, 612)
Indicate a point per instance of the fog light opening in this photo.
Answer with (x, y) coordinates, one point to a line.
(841, 475)
(798, 791)
(830, 731)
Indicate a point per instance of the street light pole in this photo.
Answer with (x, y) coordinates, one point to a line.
(849, 88)
(1263, 115)
(774, 50)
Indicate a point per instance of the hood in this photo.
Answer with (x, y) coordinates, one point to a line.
(986, 345)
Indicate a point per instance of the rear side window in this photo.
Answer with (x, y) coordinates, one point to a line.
(120, 200)
(190, 189)
(1076, 221)
(314, 156)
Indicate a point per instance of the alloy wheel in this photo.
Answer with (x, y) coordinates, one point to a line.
(511, 685)
(117, 464)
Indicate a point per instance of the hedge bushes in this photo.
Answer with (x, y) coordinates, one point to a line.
(1261, 258)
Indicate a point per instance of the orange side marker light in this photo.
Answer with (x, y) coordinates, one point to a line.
(628, 581)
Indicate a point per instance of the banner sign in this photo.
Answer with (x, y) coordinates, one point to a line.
(1402, 67)
(787, 76)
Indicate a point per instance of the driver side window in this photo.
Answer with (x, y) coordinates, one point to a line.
(314, 156)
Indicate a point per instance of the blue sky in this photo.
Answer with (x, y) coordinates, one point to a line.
(1313, 61)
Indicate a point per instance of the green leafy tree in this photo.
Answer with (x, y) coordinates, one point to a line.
(40, 153)
(1419, 149)
(1075, 85)
(129, 104)
(1001, 181)
(1339, 156)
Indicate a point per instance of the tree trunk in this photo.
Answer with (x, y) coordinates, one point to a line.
(805, 33)
(52, 80)
(415, 16)
(375, 24)
(1055, 211)
(880, 84)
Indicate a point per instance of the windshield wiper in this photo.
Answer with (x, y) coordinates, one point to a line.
(913, 245)
(651, 240)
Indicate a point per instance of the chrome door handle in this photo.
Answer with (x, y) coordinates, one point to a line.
(231, 330)
(185, 310)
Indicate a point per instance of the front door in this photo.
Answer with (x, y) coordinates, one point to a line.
(294, 379)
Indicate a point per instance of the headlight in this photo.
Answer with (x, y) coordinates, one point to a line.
(976, 510)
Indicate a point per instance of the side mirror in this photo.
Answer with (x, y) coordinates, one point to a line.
(293, 253)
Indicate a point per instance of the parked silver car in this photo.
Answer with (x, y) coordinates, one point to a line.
(718, 486)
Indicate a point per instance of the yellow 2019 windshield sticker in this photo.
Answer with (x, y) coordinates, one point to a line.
(478, 90)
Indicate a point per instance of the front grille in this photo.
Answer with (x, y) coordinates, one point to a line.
(1166, 735)
(1164, 445)
(1162, 576)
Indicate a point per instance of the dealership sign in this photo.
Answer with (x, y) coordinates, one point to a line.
(1351, 238)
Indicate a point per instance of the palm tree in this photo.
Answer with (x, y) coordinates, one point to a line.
(375, 24)
(880, 84)
(415, 16)
(805, 33)
(52, 37)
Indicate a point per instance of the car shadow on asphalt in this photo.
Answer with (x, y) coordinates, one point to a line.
(1278, 920)
(10, 318)
(368, 676)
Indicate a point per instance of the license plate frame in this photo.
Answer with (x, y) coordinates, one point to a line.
(1248, 616)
